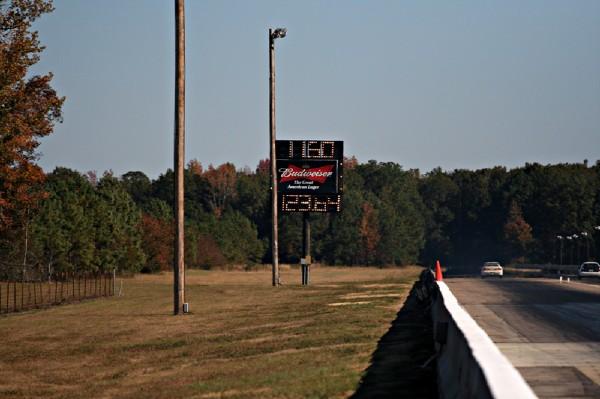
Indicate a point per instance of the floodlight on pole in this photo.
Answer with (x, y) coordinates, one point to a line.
(279, 33)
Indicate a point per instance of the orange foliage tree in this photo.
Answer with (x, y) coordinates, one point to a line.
(29, 108)
(223, 183)
(157, 242)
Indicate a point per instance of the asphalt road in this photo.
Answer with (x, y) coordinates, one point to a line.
(549, 330)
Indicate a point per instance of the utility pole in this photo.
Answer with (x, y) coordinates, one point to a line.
(178, 262)
(274, 34)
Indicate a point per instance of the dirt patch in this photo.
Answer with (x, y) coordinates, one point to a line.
(249, 393)
(382, 285)
(368, 295)
(349, 303)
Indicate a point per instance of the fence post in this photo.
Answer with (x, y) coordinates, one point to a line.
(15, 295)
(114, 282)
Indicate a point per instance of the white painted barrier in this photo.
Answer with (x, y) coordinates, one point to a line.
(470, 365)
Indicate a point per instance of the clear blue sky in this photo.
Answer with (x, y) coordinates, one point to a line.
(461, 84)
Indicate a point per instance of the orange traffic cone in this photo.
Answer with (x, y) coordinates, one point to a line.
(438, 271)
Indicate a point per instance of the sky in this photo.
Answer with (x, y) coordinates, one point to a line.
(461, 84)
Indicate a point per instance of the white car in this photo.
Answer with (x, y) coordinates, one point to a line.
(492, 269)
(588, 269)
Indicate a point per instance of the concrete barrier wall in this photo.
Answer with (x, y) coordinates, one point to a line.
(470, 365)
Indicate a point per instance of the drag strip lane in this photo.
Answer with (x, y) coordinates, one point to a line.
(549, 330)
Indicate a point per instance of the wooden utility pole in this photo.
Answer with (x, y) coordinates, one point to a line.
(178, 262)
(273, 34)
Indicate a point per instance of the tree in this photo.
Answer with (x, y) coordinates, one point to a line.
(369, 232)
(29, 108)
(437, 191)
(517, 231)
(117, 227)
(138, 185)
(222, 181)
(157, 243)
(63, 230)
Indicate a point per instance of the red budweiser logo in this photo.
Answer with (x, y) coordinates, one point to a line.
(293, 172)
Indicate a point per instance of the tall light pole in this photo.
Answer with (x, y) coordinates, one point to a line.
(178, 261)
(560, 239)
(576, 242)
(278, 33)
(584, 234)
(596, 246)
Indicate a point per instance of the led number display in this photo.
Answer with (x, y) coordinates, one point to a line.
(310, 203)
(309, 149)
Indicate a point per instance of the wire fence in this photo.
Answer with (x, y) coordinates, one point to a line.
(17, 296)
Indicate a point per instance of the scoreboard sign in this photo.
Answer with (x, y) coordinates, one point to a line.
(309, 175)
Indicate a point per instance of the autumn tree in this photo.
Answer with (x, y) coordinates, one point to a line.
(157, 243)
(29, 108)
(517, 232)
(222, 181)
(195, 167)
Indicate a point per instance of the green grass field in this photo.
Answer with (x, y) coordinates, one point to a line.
(243, 338)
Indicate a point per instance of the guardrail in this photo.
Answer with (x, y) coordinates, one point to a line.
(469, 364)
(549, 268)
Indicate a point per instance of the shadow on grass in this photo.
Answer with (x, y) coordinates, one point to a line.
(396, 369)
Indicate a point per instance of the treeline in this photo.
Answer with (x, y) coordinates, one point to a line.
(390, 216)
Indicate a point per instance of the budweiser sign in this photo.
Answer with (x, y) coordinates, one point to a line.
(293, 172)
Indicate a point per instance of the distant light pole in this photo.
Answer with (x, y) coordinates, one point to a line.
(560, 258)
(596, 246)
(570, 241)
(278, 33)
(587, 245)
(576, 242)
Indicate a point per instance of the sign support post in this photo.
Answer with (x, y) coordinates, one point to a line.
(306, 259)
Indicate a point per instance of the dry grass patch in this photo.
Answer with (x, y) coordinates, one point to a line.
(244, 338)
